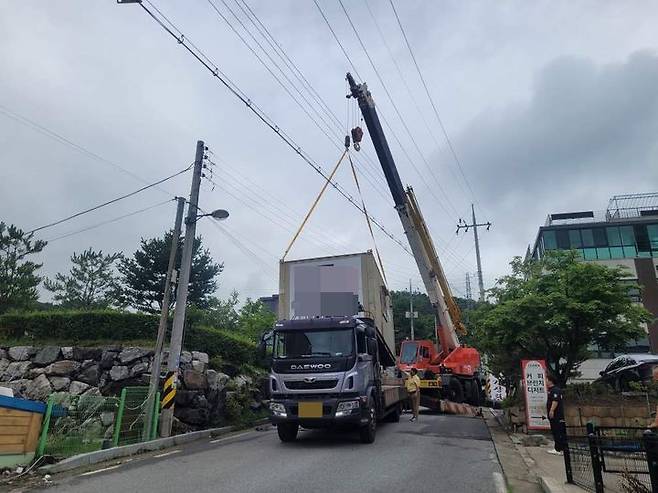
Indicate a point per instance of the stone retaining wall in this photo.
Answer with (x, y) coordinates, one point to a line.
(36, 372)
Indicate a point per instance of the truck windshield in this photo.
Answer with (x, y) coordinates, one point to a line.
(305, 344)
(408, 353)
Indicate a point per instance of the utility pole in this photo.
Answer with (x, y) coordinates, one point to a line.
(183, 283)
(469, 292)
(411, 310)
(463, 225)
(411, 314)
(164, 315)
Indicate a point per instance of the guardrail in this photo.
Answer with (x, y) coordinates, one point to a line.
(600, 456)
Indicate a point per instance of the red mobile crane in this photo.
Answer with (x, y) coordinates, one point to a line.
(450, 371)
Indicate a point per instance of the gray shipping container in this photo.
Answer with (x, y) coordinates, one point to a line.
(334, 286)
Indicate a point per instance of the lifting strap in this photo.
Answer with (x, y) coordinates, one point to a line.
(365, 212)
(315, 203)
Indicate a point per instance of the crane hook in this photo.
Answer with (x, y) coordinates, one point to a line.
(357, 135)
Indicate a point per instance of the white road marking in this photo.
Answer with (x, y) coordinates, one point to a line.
(99, 470)
(227, 438)
(167, 453)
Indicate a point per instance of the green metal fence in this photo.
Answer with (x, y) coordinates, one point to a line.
(78, 424)
(132, 416)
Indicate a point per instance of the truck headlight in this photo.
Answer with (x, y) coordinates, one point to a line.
(345, 408)
(278, 409)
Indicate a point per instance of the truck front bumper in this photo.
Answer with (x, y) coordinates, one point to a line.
(287, 410)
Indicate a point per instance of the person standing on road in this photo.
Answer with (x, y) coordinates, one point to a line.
(555, 409)
(413, 388)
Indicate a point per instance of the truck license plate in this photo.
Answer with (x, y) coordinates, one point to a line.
(310, 409)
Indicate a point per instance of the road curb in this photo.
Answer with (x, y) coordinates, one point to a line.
(90, 458)
(500, 483)
(550, 485)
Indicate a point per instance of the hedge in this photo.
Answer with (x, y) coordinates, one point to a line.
(230, 346)
(79, 325)
(103, 325)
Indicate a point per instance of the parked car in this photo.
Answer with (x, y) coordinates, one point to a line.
(628, 368)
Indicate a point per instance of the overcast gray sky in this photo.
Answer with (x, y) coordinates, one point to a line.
(551, 106)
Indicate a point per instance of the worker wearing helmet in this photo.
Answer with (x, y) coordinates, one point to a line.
(413, 388)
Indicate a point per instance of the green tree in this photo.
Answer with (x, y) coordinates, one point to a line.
(90, 284)
(555, 309)
(219, 314)
(254, 319)
(18, 276)
(424, 324)
(144, 274)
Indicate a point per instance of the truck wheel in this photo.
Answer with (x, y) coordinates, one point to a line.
(367, 432)
(287, 431)
(476, 393)
(456, 391)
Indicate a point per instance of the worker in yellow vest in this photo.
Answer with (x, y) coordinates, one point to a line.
(412, 383)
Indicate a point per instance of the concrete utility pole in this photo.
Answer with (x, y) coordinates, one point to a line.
(411, 310)
(411, 314)
(463, 225)
(469, 292)
(164, 315)
(183, 282)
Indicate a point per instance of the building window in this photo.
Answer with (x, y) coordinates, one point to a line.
(613, 236)
(589, 253)
(562, 239)
(652, 230)
(627, 236)
(588, 238)
(600, 239)
(550, 242)
(574, 238)
(642, 240)
(603, 253)
(617, 252)
(630, 252)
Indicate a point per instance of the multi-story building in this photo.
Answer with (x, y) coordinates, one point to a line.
(625, 234)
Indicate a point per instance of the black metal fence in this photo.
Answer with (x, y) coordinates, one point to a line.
(619, 458)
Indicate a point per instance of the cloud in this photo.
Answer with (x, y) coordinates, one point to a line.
(586, 133)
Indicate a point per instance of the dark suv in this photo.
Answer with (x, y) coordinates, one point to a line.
(628, 368)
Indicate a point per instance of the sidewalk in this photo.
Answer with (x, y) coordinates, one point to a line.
(528, 469)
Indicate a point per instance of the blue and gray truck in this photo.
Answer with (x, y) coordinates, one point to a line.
(333, 363)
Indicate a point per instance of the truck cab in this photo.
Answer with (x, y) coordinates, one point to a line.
(327, 372)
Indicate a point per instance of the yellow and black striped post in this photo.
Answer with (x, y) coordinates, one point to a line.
(169, 390)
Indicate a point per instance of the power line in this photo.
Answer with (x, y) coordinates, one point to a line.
(337, 138)
(96, 207)
(63, 140)
(429, 96)
(408, 89)
(284, 211)
(202, 58)
(385, 121)
(399, 114)
(103, 223)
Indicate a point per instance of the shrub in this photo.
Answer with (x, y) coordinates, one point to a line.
(217, 342)
(79, 325)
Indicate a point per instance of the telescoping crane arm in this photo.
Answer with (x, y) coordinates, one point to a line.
(414, 226)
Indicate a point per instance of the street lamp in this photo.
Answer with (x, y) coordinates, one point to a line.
(218, 214)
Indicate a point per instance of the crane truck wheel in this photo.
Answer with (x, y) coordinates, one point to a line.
(456, 391)
(287, 431)
(367, 432)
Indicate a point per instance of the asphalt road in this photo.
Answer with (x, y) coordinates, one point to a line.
(439, 453)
